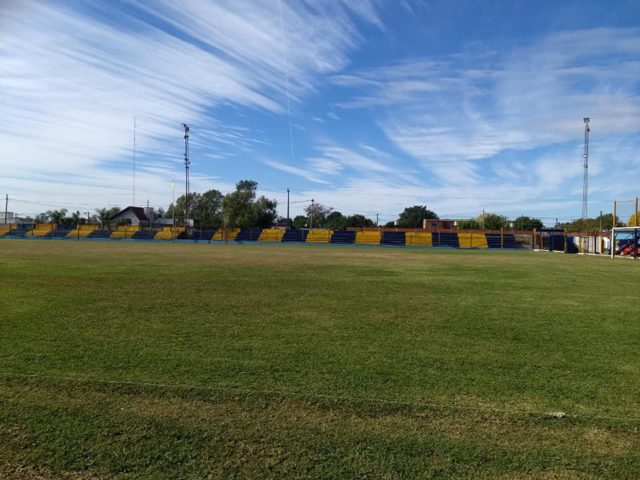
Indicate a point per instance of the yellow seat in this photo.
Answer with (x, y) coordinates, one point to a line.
(224, 234)
(41, 230)
(169, 233)
(124, 231)
(472, 240)
(82, 231)
(418, 239)
(368, 237)
(319, 236)
(271, 235)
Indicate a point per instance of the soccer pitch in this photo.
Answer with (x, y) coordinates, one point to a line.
(148, 360)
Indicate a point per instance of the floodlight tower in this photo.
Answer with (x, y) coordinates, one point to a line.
(187, 162)
(585, 180)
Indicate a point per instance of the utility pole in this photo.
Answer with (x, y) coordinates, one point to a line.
(134, 161)
(311, 215)
(6, 208)
(187, 162)
(288, 218)
(173, 208)
(377, 219)
(600, 220)
(585, 180)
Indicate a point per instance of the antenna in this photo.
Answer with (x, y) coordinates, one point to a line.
(585, 180)
(134, 161)
(187, 162)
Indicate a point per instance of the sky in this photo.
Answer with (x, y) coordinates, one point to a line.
(366, 106)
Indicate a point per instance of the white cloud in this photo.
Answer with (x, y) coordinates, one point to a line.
(72, 81)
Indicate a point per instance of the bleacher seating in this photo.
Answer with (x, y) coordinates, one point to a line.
(99, 234)
(445, 239)
(19, 230)
(418, 239)
(5, 229)
(319, 236)
(508, 240)
(203, 234)
(295, 236)
(343, 236)
(124, 231)
(147, 234)
(472, 240)
(393, 238)
(248, 235)
(272, 235)
(169, 233)
(60, 232)
(368, 237)
(41, 230)
(224, 234)
(82, 231)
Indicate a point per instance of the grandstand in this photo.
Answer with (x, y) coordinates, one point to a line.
(82, 231)
(319, 236)
(472, 240)
(419, 239)
(271, 235)
(345, 237)
(226, 234)
(368, 237)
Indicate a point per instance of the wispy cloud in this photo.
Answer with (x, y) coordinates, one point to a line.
(72, 79)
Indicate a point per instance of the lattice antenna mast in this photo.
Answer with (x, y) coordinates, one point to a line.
(585, 180)
(187, 162)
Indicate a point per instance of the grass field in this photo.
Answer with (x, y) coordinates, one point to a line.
(147, 360)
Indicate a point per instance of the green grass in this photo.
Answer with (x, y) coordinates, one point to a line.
(139, 360)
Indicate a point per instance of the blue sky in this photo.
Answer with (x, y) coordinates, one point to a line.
(366, 106)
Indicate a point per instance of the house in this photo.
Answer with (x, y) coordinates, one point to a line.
(135, 216)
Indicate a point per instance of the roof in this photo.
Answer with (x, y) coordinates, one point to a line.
(137, 211)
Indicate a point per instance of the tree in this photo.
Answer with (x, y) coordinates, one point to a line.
(75, 217)
(412, 217)
(208, 211)
(241, 208)
(634, 220)
(358, 220)
(56, 216)
(470, 224)
(194, 200)
(492, 221)
(336, 221)
(527, 223)
(104, 215)
(317, 214)
(300, 221)
(389, 225)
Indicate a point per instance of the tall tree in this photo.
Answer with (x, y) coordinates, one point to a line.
(412, 217)
(56, 216)
(358, 220)
(492, 221)
(317, 214)
(335, 221)
(240, 208)
(527, 223)
(300, 221)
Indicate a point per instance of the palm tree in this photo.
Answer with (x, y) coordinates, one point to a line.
(104, 215)
(75, 217)
(56, 216)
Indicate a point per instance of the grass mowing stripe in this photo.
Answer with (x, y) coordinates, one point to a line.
(303, 395)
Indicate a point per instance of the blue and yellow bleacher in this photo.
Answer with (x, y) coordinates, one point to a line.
(271, 235)
(226, 234)
(124, 232)
(169, 233)
(319, 236)
(41, 230)
(419, 239)
(344, 237)
(295, 235)
(82, 231)
(368, 237)
(397, 239)
(472, 240)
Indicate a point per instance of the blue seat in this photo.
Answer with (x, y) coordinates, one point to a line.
(508, 240)
(445, 239)
(393, 238)
(60, 232)
(144, 234)
(205, 234)
(100, 234)
(248, 235)
(295, 236)
(343, 236)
